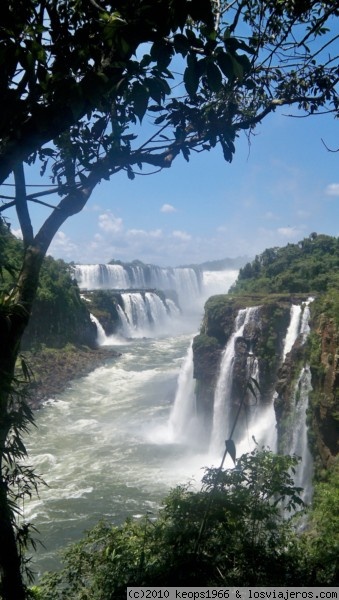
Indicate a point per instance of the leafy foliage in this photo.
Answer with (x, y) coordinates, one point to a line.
(246, 541)
(321, 541)
(312, 265)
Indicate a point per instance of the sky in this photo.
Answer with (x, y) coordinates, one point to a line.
(279, 189)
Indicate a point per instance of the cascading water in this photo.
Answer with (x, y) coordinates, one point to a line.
(144, 314)
(299, 405)
(299, 441)
(95, 444)
(184, 406)
(261, 420)
(101, 334)
(221, 426)
(185, 281)
(293, 329)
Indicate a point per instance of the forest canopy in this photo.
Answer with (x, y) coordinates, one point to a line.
(311, 265)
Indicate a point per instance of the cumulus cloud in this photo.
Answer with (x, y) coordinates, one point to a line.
(62, 246)
(181, 235)
(168, 208)
(109, 223)
(289, 231)
(155, 233)
(17, 233)
(332, 189)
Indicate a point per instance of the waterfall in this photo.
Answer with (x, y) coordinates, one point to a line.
(101, 334)
(293, 329)
(299, 440)
(184, 407)
(221, 426)
(144, 315)
(299, 404)
(185, 281)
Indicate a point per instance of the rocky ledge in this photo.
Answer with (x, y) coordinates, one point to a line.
(53, 369)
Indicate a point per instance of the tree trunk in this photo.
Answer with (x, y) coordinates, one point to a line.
(14, 316)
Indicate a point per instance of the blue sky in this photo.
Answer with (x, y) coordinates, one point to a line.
(278, 190)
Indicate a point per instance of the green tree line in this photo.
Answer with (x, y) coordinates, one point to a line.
(247, 541)
(311, 265)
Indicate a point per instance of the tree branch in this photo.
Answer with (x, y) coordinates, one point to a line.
(21, 204)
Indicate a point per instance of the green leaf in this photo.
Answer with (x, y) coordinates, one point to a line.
(245, 62)
(181, 44)
(140, 98)
(162, 52)
(225, 63)
(191, 76)
(214, 77)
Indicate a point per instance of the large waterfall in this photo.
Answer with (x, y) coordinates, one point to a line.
(143, 313)
(222, 424)
(148, 300)
(259, 423)
(298, 441)
(115, 441)
(191, 285)
(185, 281)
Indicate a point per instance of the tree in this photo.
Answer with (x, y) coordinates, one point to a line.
(247, 540)
(76, 81)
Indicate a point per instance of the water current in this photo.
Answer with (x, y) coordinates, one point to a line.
(114, 443)
(111, 446)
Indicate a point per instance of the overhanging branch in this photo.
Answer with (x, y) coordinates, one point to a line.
(21, 204)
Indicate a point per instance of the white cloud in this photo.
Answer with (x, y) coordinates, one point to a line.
(17, 233)
(289, 231)
(181, 235)
(168, 208)
(332, 189)
(141, 233)
(285, 231)
(109, 223)
(62, 246)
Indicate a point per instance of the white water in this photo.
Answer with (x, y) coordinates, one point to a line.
(101, 334)
(105, 447)
(299, 443)
(299, 405)
(99, 449)
(183, 417)
(222, 426)
(190, 285)
(185, 281)
(114, 443)
(293, 329)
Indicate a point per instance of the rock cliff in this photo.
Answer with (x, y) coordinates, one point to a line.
(264, 338)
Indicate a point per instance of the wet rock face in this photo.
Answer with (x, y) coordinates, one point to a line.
(261, 339)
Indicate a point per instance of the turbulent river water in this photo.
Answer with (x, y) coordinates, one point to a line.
(102, 446)
(106, 446)
(114, 443)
